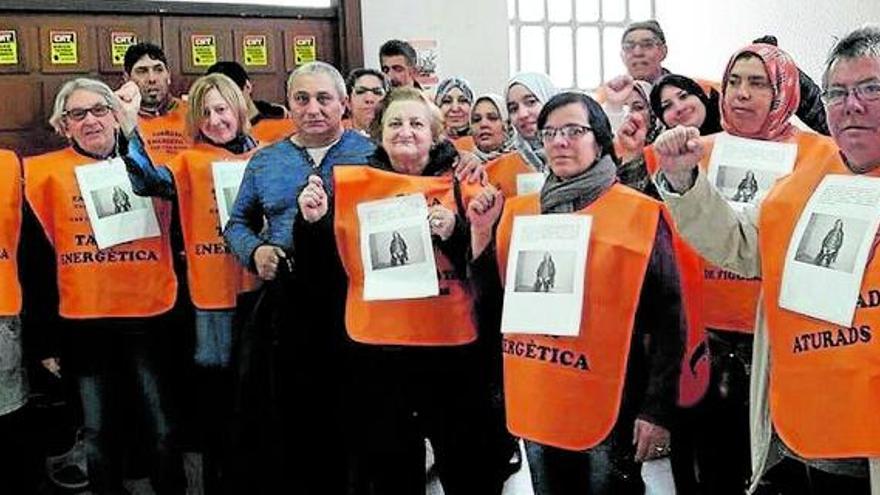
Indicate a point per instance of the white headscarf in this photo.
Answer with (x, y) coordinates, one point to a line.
(542, 87)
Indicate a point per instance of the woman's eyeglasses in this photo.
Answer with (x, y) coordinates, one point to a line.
(568, 132)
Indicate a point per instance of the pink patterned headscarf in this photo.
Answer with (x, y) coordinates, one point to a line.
(785, 81)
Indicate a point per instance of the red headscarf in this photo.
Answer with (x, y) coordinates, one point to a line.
(785, 81)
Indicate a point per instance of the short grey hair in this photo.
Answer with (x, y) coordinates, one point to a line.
(85, 84)
(319, 67)
(861, 42)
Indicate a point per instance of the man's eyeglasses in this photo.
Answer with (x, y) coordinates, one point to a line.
(629, 46)
(568, 132)
(77, 114)
(360, 90)
(866, 91)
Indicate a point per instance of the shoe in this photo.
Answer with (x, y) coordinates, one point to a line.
(70, 469)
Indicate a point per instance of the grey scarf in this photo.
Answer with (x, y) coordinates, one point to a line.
(576, 193)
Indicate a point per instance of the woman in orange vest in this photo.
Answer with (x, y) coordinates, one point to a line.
(417, 366)
(218, 124)
(760, 94)
(591, 407)
(115, 304)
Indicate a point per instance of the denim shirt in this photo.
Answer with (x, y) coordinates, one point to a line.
(272, 181)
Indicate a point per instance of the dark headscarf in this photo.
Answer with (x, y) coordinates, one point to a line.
(712, 123)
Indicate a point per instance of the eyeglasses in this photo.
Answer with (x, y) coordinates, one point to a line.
(629, 46)
(866, 91)
(568, 132)
(77, 114)
(360, 90)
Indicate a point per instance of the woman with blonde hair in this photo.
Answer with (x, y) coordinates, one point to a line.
(217, 120)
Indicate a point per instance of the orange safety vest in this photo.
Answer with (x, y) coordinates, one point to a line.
(443, 320)
(268, 131)
(215, 276)
(503, 170)
(10, 231)
(134, 279)
(165, 136)
(824, 392)
(465, 143)
(729, 301)
(566, 391)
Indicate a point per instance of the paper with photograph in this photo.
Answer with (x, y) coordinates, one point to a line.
(396, 249)
(743, 170)
(829, 249)
(529, 183)
(544, 289)
(116, 213)
(227, 180)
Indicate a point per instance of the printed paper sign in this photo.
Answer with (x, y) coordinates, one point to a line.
(743, 170)
(305, 49)
(8, 47)
(426, 52)
(829, 249)
(544, 288)
(396, 249)
(255, 51)
(227, 180)
(204, 50)
(62, 47)
(116, 213)
(119, 43)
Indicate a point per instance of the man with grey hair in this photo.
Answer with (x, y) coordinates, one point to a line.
(273, 177)
(823, 374)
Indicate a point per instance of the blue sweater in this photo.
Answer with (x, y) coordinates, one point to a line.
(272, 181)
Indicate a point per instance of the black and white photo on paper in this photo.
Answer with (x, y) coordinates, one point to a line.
(394, 248)
(229, 195)
(744, 185)
(116, 199)
(545, 271)
(831, 241)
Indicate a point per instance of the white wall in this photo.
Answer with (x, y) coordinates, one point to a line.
(701, 35)
(471, 35)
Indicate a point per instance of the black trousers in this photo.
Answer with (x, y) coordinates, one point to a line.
(405, 395)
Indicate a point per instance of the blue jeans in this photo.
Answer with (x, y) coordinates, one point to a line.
(116, 362)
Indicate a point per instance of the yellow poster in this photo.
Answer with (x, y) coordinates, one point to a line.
(204, 50)
(62, 47)
(304, 49)
(8, 48)
(119, 43)
(255, 51)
